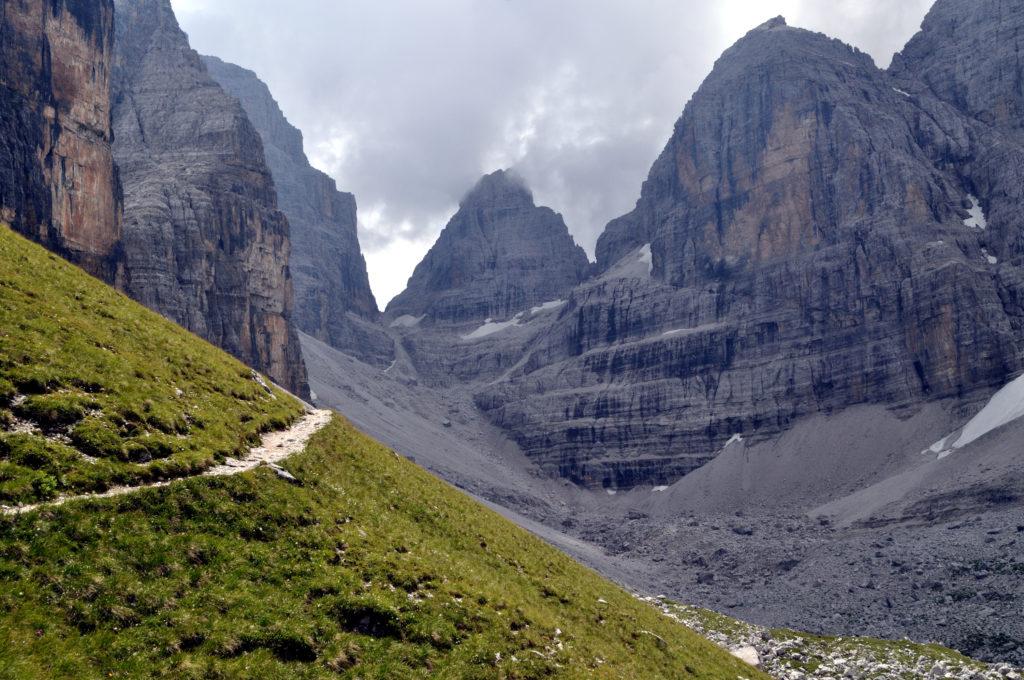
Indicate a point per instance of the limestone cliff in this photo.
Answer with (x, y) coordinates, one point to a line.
(57, 179)
(333, 300)
(204, 242)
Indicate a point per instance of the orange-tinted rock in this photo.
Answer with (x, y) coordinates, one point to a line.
(57, 183)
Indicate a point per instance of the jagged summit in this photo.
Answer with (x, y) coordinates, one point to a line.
(777, 22)
(499, 255)
(755, 149)
(501, 188)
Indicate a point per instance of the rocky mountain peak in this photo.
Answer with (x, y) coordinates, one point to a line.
(499, 255)
(777, 22)
(500, 189)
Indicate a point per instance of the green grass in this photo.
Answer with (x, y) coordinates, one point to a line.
(89, 371)
(371, 568)
(367, 568)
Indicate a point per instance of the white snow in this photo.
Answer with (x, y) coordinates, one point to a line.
(660, 489)
(491, 327)
(736, 439)
(388, 369)
(1006, 406)
(977, 219)
(688, 331)
(548, 306)
(647, 258)
(407, 321)
(899, 91)
(611, 492)
(992, 259)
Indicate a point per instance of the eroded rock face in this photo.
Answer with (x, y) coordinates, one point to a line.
(57, 179)
(808, 253)
(499, 255)
(204, 242)
(333, 300)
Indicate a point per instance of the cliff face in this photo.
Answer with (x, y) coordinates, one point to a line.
(58, 184)
(808, 250)
(333, 300)
(204, 242)
(498, 256)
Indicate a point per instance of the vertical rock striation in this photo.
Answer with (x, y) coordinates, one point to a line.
(204, 242)
(58, 184)
(499, 255)
(333, 300)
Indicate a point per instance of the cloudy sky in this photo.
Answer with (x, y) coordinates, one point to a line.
(408, 102)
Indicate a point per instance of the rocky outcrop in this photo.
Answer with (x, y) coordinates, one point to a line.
(57, 179)
(499, 255)
(968, 54)
(204, 242)
(333, 300)
(808, 252)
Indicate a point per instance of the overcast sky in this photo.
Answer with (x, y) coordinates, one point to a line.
(406, 103)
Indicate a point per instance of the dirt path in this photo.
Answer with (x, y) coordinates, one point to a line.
(274, 448)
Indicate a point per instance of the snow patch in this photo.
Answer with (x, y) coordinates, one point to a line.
(660, 489)
(899, 91)
(611, 492)
(977, 219)
(388, 369)
(992, 259)
(645, 257)
(690, 331)
(491, 327)
(548, 306)
(1006, 406)
(736, 439)
(407, 321)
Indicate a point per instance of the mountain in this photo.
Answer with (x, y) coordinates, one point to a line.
(499, 255)
(353, 561)
(57, 179)
(807, 254)
(204, 243)
(333, 300)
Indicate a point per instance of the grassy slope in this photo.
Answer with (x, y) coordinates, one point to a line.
(93, 372)
(371, 569)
